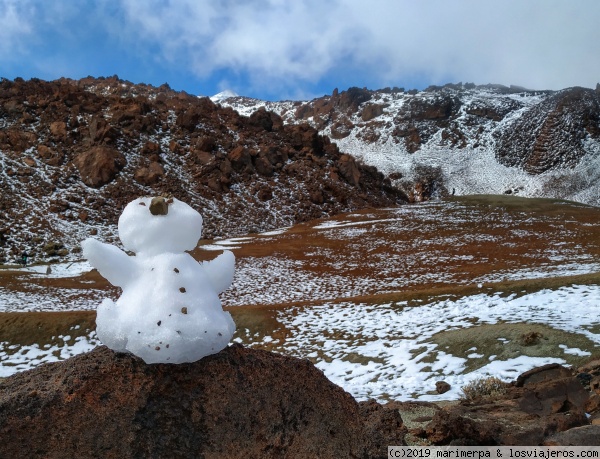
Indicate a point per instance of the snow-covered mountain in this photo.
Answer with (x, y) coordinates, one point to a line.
(463, 138)
(224, 95)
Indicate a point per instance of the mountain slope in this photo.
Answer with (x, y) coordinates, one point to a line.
(73, 153)
(466, 138)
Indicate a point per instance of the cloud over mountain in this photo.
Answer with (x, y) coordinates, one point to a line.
(275, 49)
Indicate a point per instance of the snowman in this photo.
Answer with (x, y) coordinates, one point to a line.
(169, 310)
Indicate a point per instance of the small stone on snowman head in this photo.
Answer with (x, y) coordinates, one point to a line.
(159, 206)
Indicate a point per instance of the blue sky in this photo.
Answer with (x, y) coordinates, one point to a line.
(300, 49)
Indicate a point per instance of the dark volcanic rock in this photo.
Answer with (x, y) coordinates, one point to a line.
(99, 165)
(544, 402)
(237, 403)
(578, 436)
(383, 426)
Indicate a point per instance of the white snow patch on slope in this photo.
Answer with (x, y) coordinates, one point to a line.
(223, 95)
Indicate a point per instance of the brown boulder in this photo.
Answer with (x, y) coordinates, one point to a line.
(349, 169)
(263, 166)
(100, 131)
(261, 118)
(542, 403)
(240, 159)
(578, 436)
(441, 387)
(544, 373)
(99, 165)
(237, 403)
(149, 175)
(150, 148)
(58, 129)
(383, 427)
(371, 111)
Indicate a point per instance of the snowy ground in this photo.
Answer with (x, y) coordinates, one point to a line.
(326, 286)
(387, 352)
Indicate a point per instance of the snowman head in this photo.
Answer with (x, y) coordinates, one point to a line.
(155, 225)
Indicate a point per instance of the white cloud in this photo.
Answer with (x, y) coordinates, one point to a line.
(14, 27)
(539, 43)
(287, 46)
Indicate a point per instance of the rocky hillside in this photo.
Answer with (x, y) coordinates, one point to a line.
(73, 153)
(463, 138)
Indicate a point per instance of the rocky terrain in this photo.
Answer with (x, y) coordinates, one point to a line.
(237, 403)
(460, 137)
(252, 403)
(73, 153)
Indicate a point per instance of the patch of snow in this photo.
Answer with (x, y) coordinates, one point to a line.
(387, 352)
(223, 95)
(574, 351)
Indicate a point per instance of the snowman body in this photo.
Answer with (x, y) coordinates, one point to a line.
(169, 310)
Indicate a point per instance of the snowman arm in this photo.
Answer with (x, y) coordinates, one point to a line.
(220, 271)
(112, 263)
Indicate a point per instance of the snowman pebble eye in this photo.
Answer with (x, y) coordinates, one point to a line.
(182, 289)
(176, 270)
(184, 310)
(159, 322)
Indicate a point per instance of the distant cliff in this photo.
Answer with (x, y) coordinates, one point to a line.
(463, 138)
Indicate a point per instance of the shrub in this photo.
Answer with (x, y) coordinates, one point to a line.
(483, 388)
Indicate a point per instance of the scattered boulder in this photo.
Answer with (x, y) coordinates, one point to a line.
(349, 169)
(262, 119)
(240, 158)
(149, 175)
(578, 436)
(383, 427)
(371, 111)
(99, 165)
(55, 249)
(543, 402)
(541, 374)
(442, 387)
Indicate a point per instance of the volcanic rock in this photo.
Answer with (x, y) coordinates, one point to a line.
(542, 403)
(99, 165)
(578, 436)
(149, 175)
(349, 170)
(237, 403)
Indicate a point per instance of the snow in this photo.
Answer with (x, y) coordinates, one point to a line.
(29, 356)
(56, 270)
(169, 311)
(384, 349)
(471, 169)
(224, 95)
(388, 351)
